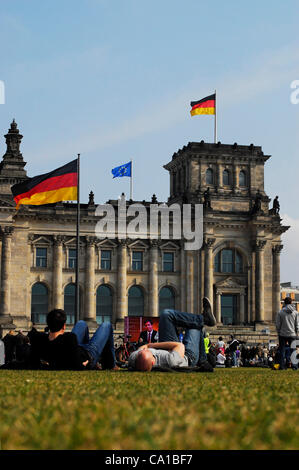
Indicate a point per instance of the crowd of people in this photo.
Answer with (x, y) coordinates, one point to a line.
(243, 355)
(167, 348)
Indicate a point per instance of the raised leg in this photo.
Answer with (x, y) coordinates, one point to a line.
(102, 345)
(81, 331)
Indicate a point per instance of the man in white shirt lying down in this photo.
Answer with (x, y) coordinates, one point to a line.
(170, 352)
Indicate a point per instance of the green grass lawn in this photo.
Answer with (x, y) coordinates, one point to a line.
(228, 409)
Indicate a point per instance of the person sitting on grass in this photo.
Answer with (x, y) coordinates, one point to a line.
(221, 358)
(169, 352)
(59, 350)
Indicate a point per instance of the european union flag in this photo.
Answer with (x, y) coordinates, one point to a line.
(122, 170)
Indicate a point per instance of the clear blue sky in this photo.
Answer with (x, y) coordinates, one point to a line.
(113, 79)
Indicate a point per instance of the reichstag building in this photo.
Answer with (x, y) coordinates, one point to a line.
(237, 267)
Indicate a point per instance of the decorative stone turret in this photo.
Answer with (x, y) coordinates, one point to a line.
(12, 166)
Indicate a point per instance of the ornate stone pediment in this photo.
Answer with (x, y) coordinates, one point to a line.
(106, 243)
(137, 244)
(36, 239)
(230, 283)
(168, 246)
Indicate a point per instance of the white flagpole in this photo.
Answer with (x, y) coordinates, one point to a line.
(215, 121)
(131, 181)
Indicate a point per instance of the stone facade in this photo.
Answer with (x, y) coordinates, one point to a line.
(237, 267)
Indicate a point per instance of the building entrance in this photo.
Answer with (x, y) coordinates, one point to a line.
(229, 309)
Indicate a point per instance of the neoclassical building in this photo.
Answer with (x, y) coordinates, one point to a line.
(237, 267)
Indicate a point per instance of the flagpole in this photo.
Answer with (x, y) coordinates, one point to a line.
(77, 300)
(131, 181)
(215, 121)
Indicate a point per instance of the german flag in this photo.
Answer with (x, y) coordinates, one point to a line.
(205, 106)
(58, 185)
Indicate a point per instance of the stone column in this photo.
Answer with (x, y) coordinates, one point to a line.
(6, 321)
(276, 280)
(219, 175)
(190, 280)
(183, 277)
(208, 276)
(90, 304)
(235, 177)
(242, 308)
(153, 279)
(58, 301)
(260, 285)
(218, 306)
(122, 299)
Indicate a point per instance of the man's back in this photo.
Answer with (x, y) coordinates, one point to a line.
(287, 321)
(61, 353)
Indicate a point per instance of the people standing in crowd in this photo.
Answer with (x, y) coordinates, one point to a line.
(238, 357)
(232, 346)
(220, 344)
(207, 342)
(287, 326)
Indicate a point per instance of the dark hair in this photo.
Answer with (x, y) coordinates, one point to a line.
(220, 338)
(148, 321)
(56, 319)
(288, 300)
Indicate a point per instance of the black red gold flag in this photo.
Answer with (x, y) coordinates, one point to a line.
(206, 105)
(58, 185)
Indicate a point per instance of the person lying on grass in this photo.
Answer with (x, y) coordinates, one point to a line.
(169, 352)
(72, 351)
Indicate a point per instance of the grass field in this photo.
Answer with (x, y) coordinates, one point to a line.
(228, 409)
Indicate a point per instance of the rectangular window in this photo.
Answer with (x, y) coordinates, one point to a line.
(137, 261)
(41, 258)
(227, 261)
(168, 262)
(105, 259)
(72, 258)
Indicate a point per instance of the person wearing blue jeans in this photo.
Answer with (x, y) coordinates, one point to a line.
(101, 345)
(193, 339)
(170, 352)
(61, 350)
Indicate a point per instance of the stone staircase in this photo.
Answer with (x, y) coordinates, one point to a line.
(252, 334)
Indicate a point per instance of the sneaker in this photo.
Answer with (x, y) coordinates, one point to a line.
(207, 313)
(205, 367)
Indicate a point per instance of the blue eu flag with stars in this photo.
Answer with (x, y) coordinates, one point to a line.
(122, 170)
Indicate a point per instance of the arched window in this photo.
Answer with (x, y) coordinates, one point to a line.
(225, 177)
(70, 302)
(209, 176)
(228, 261)
(135, 301)
(104, 304)
(166, 299)
(39, 303)
(242, 178)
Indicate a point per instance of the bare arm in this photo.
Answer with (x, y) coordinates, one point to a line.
(168, 346)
